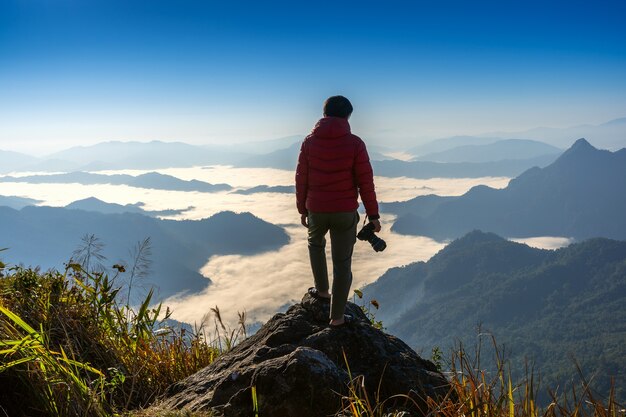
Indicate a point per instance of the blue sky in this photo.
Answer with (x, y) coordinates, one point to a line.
(81, 72)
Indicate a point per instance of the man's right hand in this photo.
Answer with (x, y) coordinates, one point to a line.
(376, 224)
(304, 219)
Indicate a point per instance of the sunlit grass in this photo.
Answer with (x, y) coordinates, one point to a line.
(68, 348)
(476, 392)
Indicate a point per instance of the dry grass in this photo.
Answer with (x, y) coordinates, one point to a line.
(476, 392)
(68, 348)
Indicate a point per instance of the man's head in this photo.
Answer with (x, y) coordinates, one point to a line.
(337, 106)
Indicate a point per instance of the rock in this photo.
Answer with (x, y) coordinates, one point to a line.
(297, 364)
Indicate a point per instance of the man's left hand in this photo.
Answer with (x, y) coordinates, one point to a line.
(304, 219)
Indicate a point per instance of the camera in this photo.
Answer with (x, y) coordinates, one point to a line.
(367, 233)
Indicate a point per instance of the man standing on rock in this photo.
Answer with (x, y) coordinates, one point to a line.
(333, 169)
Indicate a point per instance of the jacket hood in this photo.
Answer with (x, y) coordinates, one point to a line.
(331, 127)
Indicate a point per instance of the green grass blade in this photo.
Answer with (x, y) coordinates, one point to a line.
(17, 320)
(11, 364)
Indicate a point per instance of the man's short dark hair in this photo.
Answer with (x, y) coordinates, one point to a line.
(337, 106)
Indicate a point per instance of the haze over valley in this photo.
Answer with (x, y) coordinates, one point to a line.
(201, 192)
(235, 283)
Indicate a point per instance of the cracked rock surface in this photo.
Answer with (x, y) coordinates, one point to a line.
(296, 362)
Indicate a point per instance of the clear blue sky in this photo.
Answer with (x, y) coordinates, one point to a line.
(83, 71)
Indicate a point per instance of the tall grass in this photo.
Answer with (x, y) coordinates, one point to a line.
(477, 392)
(69, 348)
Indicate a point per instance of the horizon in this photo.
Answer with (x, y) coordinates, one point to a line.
(496, 136)
(207, 73)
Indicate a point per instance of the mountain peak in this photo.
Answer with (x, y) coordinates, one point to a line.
(582, 143)
(478, 236)
(580, 150)
(89, 200)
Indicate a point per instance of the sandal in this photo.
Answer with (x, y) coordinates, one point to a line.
(314, 293)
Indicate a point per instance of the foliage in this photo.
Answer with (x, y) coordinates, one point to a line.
(436, 357)
(544, 306)
(68, 348)
(367, 308)
(91, 248)
(478, 392)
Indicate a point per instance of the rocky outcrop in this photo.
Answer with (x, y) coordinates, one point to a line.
(302, 367)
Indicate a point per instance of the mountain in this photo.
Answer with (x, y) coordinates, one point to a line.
(580, 195)
(544, 306)
(444, 144)
(94, 204)
(610, 135)
(427, 169)
(47, 236)
(14, 161)
(152, 180)
(287, 158)
(510, 149)
(280, 159)
(147, 155)
(17, 202)
(142, 155)
(268, 146)
(385, 166)
(286, 189)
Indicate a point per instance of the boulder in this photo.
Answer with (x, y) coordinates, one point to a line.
(302, 367)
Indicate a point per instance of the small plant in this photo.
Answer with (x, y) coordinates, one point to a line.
(367, 308)
(226, 337)
(90, 249)
(68, 347)
(436, 357)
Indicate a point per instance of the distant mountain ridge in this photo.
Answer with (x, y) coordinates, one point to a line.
(152, 180)
(287, 158)
(609, 135)
(114, 155)
(579, 195)
(47, 236)
(428, 169)
(12, 161)
(509, 149)
(542, 305)
(444, 144)
(148, 155)
(97, 205)
(17, 203)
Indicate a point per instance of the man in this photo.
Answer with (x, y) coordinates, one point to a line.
(333, 169)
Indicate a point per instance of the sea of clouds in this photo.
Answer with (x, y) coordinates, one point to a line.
(265, 283)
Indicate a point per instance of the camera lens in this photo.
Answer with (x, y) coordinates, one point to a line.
(378, 244)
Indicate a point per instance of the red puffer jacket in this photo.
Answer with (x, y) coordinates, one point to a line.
(333, 168)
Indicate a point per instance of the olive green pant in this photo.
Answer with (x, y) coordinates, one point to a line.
(342, 226)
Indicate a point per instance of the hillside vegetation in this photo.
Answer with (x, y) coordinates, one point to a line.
(69, 347)
(547, 307)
